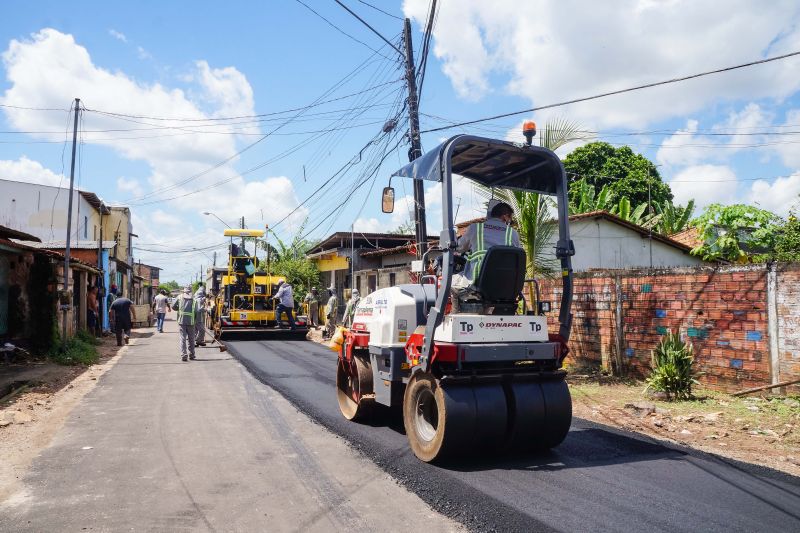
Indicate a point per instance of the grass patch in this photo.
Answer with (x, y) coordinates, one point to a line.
(79, 350)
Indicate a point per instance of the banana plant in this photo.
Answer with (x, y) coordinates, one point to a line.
(584, 200)
(674, 218)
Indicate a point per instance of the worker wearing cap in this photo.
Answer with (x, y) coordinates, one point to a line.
(480, 236)
(350, 310)
(285, 299)
(199, 321)
(312, 299)
(186, 308)
(331, 309)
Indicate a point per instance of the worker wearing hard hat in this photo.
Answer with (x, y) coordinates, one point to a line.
(186, 308)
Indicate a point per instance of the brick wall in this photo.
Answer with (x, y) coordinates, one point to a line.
(619, 317)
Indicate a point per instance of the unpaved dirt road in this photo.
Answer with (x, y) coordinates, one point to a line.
(599, 479)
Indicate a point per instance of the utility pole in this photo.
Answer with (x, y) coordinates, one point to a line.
(416, 145)
(242, 223)
(215, 258)
(65, 307)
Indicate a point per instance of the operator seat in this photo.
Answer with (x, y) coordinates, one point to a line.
(500, 280)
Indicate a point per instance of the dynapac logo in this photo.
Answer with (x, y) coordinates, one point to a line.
(497, 325)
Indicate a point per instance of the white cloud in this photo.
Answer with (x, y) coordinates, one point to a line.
(31, 65)
(129, 186)
(682, 147)
(706, 184)
(118, 35)
(788, 151)
(227, 89)
(263, 202)
(29, 171)
(162, 218)
(555, 51)
(369, 225)
(780, 196)
(142, 53)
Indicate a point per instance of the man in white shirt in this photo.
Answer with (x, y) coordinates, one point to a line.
(160, 308)
(285, 299)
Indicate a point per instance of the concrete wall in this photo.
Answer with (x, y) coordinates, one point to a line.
(787, 311)
(600, 243)
(382, 277)
(620, 316)
(41, 210)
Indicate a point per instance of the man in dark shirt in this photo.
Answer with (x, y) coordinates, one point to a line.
(122, 314)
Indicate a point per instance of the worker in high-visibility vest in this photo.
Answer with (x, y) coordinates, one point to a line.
(186, 308)
(479, 237)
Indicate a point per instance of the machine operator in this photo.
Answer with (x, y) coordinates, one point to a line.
(480, 236)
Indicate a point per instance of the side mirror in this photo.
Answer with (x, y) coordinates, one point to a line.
(387, 203)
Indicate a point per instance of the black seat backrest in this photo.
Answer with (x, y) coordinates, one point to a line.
(502, 274)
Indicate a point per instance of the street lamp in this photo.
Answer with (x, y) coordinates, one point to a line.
(215, 216)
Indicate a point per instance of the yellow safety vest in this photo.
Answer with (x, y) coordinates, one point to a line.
(477, 255)
(182, 313)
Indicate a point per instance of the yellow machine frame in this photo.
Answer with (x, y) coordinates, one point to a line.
(251, 306)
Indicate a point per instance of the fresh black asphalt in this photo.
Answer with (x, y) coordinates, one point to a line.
(599, 479)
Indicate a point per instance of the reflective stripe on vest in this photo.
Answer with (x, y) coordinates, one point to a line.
(476, 257)
(182, 313)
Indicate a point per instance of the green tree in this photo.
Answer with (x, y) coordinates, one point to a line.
(739, 233)
(787, 240)
(168, 286)
(290, 261)
(406, 228)
(626, 173)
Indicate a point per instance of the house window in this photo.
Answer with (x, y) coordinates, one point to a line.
(392, 279)
(358, 284)
(372, 282)
(85, 227)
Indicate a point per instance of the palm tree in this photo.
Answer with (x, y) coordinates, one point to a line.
(535, 222)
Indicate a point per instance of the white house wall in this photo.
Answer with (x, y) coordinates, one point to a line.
(41, 210)
(600, 243)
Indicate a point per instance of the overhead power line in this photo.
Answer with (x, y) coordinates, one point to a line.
(381, 10)
(365, 23)
(337, 28)
(620, 91)
(260, 115)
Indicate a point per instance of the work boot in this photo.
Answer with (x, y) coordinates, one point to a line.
(184, 358)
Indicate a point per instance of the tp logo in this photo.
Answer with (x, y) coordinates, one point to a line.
(536, 326)
(466, 327)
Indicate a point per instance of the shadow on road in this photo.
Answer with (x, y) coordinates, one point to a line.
(583, 448)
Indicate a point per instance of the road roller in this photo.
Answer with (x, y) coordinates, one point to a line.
(478, 375)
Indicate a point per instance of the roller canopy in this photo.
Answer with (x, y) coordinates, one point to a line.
(490, 162)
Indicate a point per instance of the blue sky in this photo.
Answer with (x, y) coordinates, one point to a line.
(724, 138)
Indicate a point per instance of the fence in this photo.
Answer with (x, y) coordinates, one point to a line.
(743, 321)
